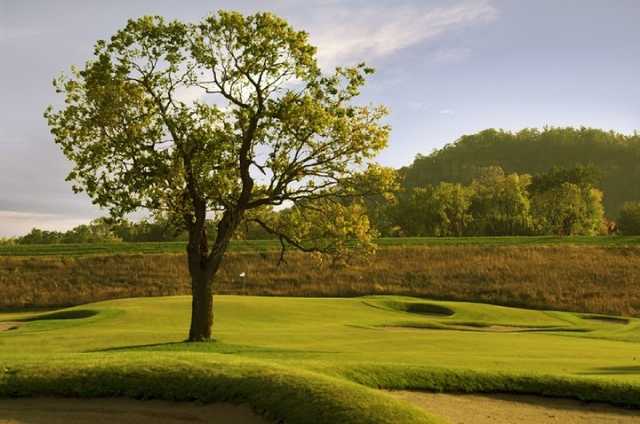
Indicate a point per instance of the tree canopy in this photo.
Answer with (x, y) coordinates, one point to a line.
(221, 120)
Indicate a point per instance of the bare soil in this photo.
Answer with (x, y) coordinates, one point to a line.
(109, 411)
(517, 409)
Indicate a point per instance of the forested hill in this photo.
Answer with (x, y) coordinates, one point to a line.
(532, 151)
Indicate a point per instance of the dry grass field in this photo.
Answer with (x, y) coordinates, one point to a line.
(600, 279)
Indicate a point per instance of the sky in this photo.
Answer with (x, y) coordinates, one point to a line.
(445, 68)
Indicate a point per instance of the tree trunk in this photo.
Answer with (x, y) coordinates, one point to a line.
(203, 266)
(201, 308)
(202, 271)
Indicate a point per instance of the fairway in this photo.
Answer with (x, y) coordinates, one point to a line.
(278, 353)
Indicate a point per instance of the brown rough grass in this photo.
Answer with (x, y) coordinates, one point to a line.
(578, 278)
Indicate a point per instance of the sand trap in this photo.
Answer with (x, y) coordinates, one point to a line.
(109, 411)
(514, 329)
(514, 409)
(484, 328)
(6, 326)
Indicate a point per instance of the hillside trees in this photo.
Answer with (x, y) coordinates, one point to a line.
(565, 202)
(500, 204)
(267, 129)
(629, 219)
(568, 209)
(562, 201)
(97, 231)
(442, 210)
(536, 151)
(454, 201)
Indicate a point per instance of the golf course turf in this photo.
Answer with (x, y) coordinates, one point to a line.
(311, 360)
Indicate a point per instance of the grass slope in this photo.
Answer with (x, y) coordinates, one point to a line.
(316, 360)
(83, 249)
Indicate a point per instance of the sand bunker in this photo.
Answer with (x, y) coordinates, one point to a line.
(485, 328)
(6, 326)
(109, 411)
(510, 409)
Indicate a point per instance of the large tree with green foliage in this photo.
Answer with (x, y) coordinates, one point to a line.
(268, 129)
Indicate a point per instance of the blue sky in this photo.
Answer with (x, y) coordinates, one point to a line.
(444, 68)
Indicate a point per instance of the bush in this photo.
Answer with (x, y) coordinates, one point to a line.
(629, 219)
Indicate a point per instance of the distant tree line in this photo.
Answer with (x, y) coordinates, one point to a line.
(562, 201)
(535, 151)
(103, 230)
(556, 181)
(559, 202)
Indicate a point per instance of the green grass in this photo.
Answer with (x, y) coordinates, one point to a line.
(271, 245)
(82, 249)
(311, 360)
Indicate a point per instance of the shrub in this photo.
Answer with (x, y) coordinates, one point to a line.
(629, 219)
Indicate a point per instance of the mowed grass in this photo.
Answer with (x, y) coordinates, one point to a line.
(272, 245)
(313, 360)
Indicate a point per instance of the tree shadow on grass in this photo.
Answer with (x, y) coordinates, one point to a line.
(212, 347)
(627, 370)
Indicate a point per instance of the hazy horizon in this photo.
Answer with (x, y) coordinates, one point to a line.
(444, 68)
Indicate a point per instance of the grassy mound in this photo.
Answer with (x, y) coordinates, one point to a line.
(278, 393)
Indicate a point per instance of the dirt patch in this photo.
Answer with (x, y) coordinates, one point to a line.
(108, 411)
(6, 326)
(521, 409)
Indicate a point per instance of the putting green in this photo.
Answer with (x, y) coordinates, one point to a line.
(327, 348)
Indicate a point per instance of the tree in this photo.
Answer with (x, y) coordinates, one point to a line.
(568, 209)
(415, 213)
(454, 202)
(500, 203)
(629, 219)
(382, 211)
(581, 176)
(38, 236)
(442, 210)
(565, 201)
(268, 129)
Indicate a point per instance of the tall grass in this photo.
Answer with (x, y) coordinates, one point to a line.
(566, 277)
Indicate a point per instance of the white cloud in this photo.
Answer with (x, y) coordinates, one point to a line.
(378, 31)
(447, 112)
(19, 223)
